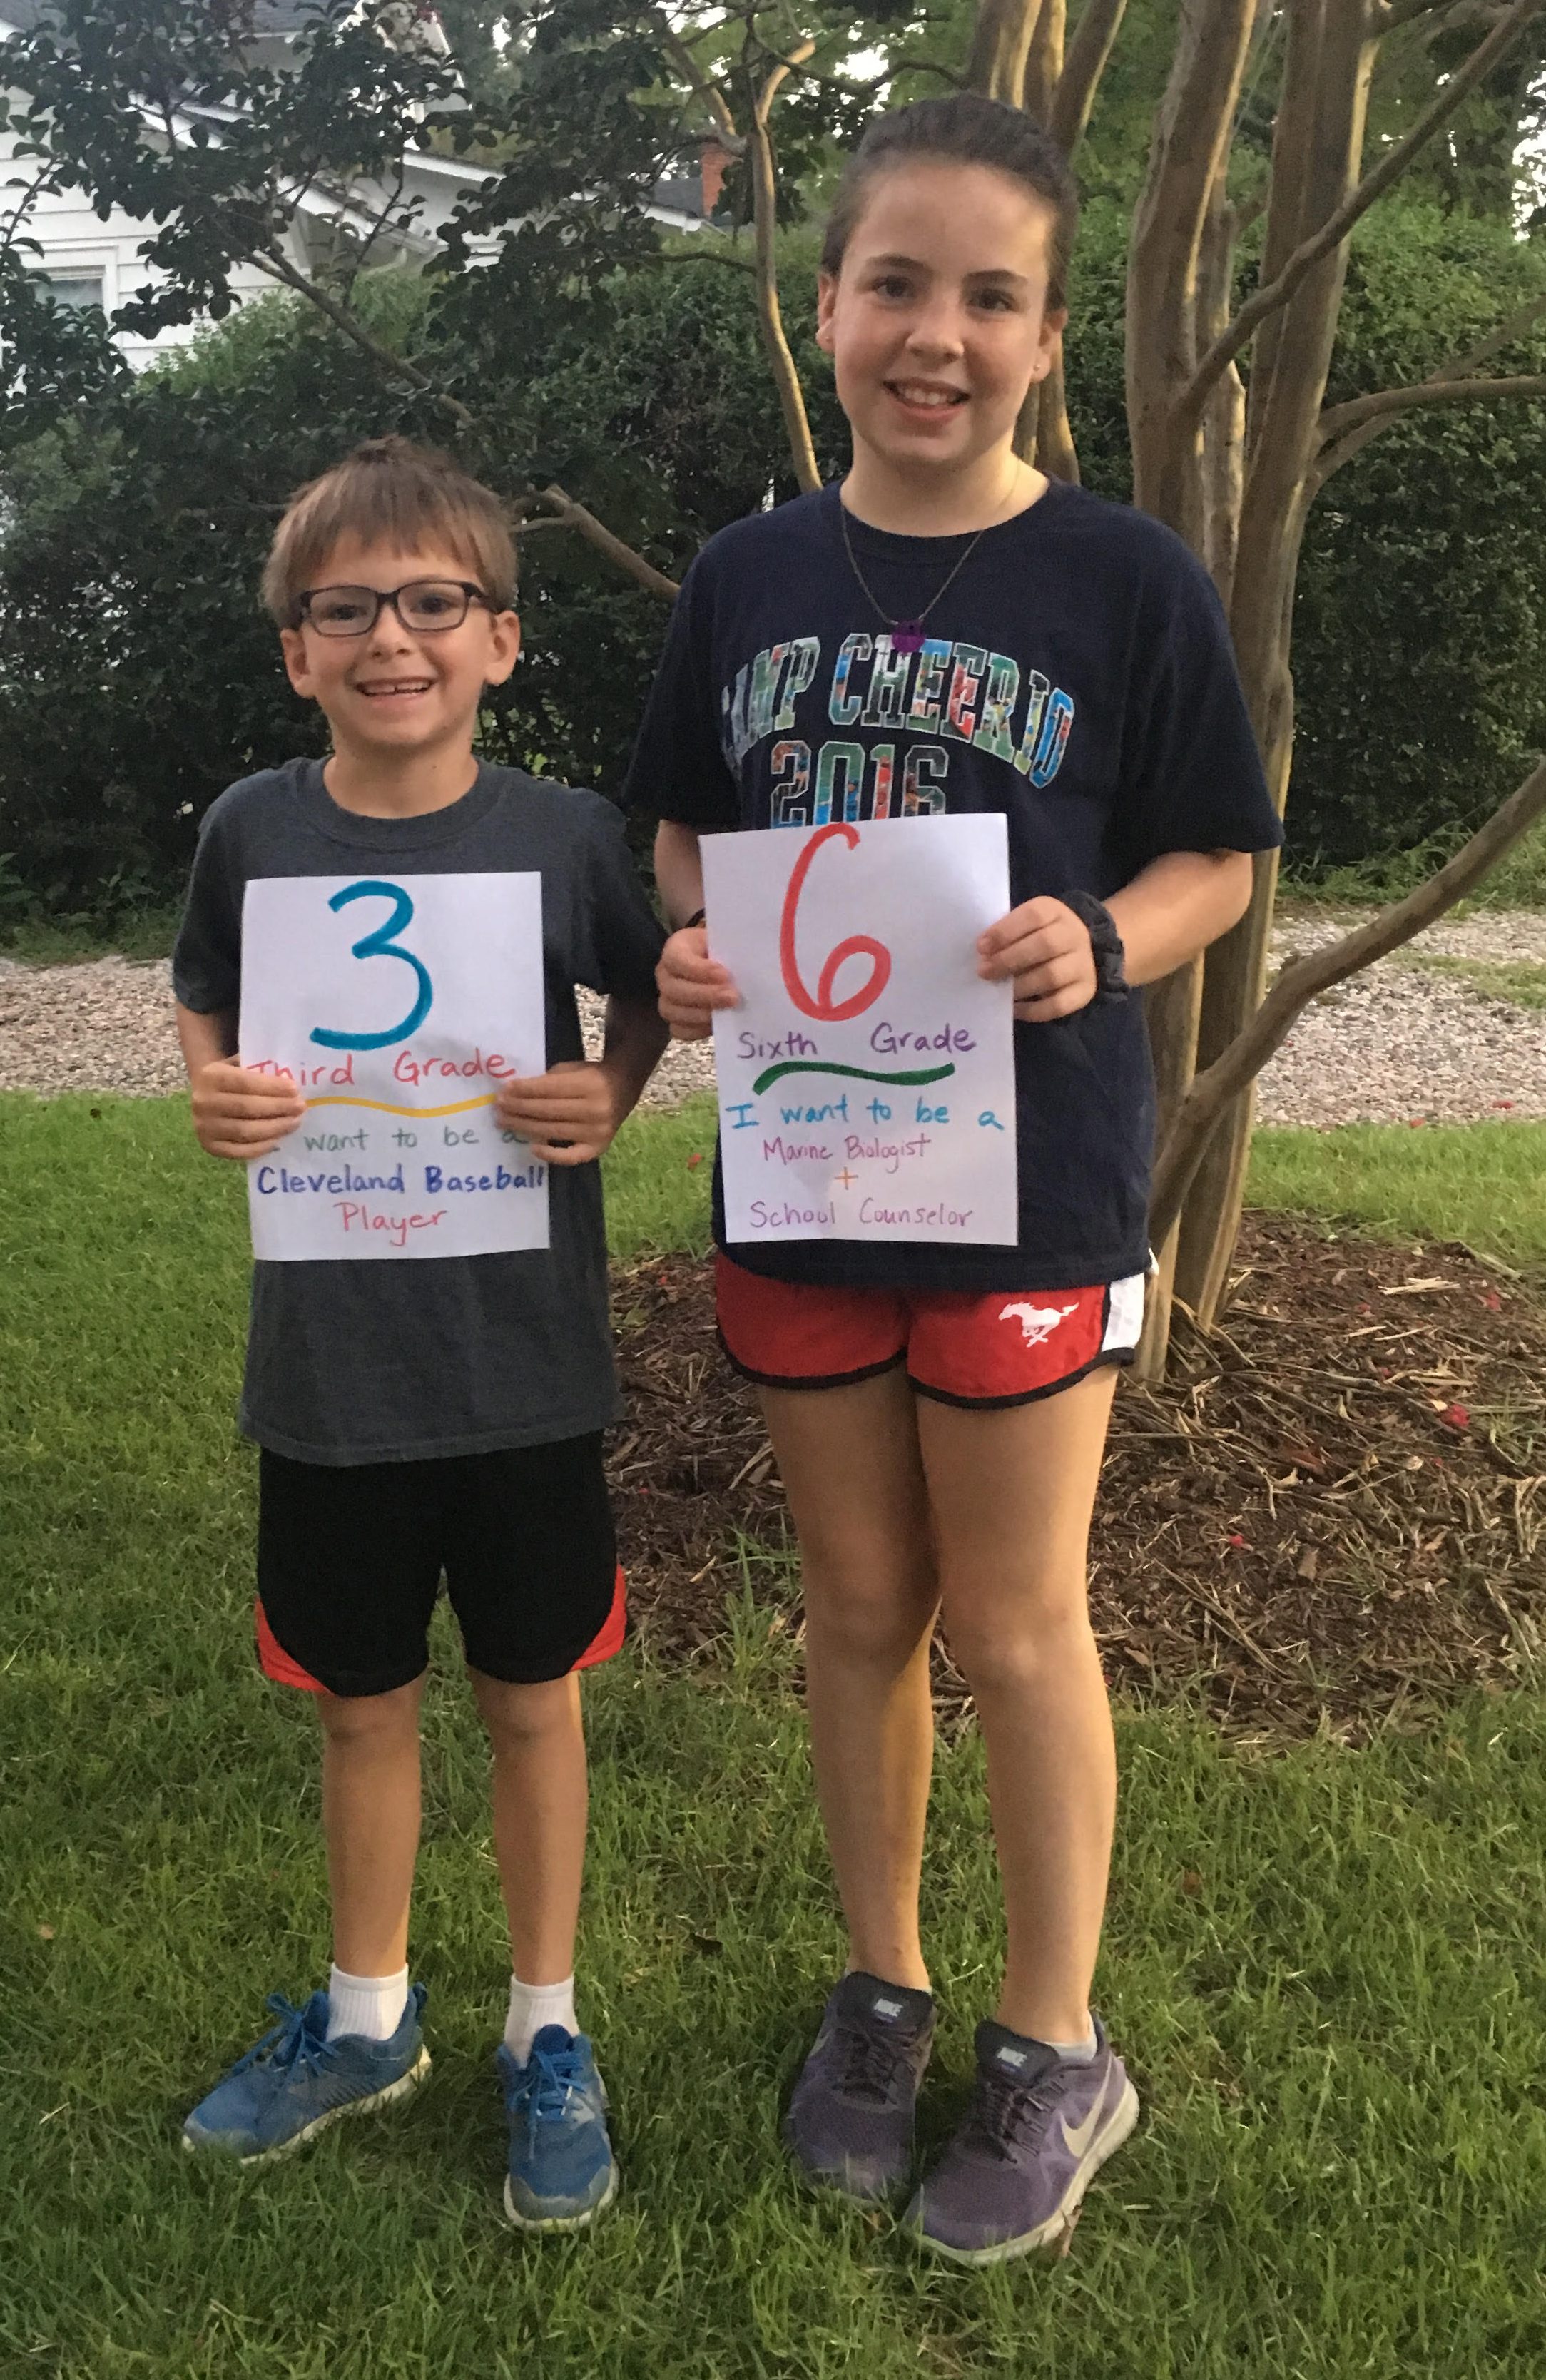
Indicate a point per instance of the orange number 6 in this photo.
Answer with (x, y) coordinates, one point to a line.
(823, 1007)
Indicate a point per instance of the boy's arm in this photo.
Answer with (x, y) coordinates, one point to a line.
(692, 985)
(235, 1113)
(571, 1113)
(1172, 910)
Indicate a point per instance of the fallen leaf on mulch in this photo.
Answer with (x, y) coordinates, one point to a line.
(1380, 1575)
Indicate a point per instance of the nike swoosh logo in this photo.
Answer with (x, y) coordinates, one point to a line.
(1077, 2143)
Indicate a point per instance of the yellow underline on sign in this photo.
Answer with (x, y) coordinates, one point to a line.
(457, 1107)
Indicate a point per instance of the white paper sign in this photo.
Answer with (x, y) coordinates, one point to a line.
(399, 1004)
(867, 1080)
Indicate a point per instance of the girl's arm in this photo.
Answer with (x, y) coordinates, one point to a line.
(692, 985)
(1176, 906)
(1173, 908)
(679, 869)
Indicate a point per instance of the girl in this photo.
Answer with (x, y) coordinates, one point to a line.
(989, 641)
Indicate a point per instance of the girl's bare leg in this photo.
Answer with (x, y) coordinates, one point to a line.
(850, 1463)
(1010, 1495)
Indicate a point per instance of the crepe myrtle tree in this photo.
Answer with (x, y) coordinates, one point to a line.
(1257, 176)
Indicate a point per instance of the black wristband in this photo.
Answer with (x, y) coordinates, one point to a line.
(686, 925)
(1106, 943)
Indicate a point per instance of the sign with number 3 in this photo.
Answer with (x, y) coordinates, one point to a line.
(397, 1004)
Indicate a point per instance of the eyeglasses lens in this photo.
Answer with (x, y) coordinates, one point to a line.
(427, 606)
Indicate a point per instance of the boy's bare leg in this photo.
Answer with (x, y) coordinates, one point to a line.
(849, 1459)
(540, 1799)
(1011, 1494)
(371, 1818)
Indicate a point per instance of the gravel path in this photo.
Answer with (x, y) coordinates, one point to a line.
(1393, 1044)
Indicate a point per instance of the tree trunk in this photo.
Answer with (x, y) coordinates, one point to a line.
(1044, 67)
(1001, 39)
(1317, 147)
(1170, 1012)
(1165, 285)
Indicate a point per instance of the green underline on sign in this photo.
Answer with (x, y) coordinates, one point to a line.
(861, 1074)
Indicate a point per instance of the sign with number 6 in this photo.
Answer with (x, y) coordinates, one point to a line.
(867, 1080)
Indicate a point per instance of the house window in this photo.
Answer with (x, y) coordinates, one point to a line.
(74, 291)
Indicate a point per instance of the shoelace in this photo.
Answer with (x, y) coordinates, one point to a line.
(550, 2078)
(1001, 2110)
(289, 2044)
(870, 2062)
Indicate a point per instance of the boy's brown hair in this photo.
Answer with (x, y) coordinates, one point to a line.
(390, 493)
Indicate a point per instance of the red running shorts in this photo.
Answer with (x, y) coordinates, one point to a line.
(960, 1346)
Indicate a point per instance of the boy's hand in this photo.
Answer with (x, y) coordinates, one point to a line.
(692, 985)
(1046, 949)
(569, 1115)
(239, 1114)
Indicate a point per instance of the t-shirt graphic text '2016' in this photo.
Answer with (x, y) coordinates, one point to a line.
(960, 693)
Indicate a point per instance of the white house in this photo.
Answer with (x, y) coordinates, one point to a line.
(92, 263)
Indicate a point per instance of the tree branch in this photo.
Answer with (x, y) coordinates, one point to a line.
(928, 65)
(1338, 448)
(1361, 409)
(576, 516)
(764, 210)
(566, 508)
(707, 255)
(704, 85)
(1304, 979)
(1334, 230)
(1396, 13)
(279, 268)
(31, 193)
(1083, 66)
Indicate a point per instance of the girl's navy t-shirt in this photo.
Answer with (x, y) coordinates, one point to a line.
(1076, 675)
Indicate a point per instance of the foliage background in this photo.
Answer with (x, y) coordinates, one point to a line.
(137, 676)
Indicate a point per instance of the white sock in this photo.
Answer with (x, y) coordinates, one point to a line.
(531, 2006)
(371, 2005)
(1076, 2053)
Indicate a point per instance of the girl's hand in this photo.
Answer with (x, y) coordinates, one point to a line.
(240, 1114)
(1046, 949)
(568, 1115)
(692, 985)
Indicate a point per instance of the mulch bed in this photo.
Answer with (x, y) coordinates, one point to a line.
(1335, 1513)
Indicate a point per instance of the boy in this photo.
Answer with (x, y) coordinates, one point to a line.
(446, 1412)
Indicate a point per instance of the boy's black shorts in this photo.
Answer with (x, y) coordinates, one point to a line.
(350, 1559)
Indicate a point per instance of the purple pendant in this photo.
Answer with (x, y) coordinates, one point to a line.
(906, 636)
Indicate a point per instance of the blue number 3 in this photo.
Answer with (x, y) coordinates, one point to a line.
(376, 945)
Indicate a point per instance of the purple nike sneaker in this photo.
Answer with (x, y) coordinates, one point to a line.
(1038, 2129)
(850, 2121)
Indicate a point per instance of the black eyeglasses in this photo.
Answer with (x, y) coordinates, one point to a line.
(427, 607)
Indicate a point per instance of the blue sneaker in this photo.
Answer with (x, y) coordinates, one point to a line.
(295, 2082)
(562, 2168)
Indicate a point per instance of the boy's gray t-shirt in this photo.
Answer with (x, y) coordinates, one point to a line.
(377, 1361)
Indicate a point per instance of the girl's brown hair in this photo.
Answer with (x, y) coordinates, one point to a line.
(969, 130)
(390, 493)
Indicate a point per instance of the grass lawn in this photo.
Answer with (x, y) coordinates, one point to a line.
(1484, 1183)
(1520, 982)
(1325, 1964)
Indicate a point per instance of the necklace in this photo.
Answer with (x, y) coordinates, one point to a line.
(907, 636)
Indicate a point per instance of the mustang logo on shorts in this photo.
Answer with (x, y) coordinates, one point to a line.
(1037, 1322)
